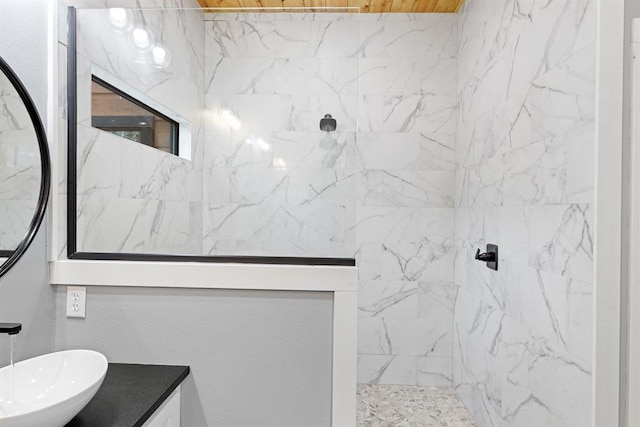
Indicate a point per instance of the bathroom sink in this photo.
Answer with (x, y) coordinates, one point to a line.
(49, 390)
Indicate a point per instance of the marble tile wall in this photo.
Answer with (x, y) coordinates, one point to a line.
(274, 183)
(524, 180)
(19, 167)
(380, 188)
(405, 198)
(133, 198)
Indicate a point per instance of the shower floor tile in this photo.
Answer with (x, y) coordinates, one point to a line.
(410, 406)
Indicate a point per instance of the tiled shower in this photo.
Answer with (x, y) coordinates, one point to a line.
(454, 131)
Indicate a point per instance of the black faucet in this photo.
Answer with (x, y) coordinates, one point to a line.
(10, 328)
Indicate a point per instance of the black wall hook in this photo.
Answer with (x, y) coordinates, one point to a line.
(490, 256)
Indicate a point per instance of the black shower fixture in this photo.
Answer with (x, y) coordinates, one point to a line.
(490, 256)
(328, 123)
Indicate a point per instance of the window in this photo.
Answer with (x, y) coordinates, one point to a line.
(116, 112)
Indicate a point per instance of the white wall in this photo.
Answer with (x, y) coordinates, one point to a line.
(632, 10)
(525, 157)
(25, 294)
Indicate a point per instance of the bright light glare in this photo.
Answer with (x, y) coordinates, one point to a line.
(119, 17)
(229, 119)
(260, 143)
(161, 56)
(142, 38)
(279, 163)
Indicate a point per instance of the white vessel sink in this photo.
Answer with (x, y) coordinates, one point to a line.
(49, 390)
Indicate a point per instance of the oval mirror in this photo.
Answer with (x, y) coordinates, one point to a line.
(24, 169)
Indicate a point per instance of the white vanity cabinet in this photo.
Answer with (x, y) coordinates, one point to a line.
(168, 414)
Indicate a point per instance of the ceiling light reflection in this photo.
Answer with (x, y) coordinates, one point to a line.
(259, 143)
(161, 56)
(142, 38)
(229, 119)
(120, 18)
(279, 163)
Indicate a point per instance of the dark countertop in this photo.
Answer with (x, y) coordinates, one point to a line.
(129, 395)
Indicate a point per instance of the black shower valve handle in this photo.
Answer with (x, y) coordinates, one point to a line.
(490, 256)
(485, 256)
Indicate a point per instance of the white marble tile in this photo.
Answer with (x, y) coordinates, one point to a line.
(342, 107)
(313, 150)
(513, 234)
(544, 305)
(429, 189)
(377, 369)
(315, 75)
(561, 240)
(480, 185)
(249, 186)
(535, 174)
(387, 299)
(406, 151)
(436, 152)
(404, 76)
(134, 198)
(261, 113)
(135, 226)
(580, 320)
(563, 99)
(434, 298)
(241, 76)
(258, 39)
(150, 173)
(371, 36)
(422, 260)
(405, 337)
(496, 132)
(580, 157)
(434, 371)
(158, 175)
(548, 35)
(486, 91)
(312, 212)
(388, 150)
(16, 215)
(431, 38)
(524, 154)
(334, 39)
(419, 113)
(370, 113)
(20, 183)
(564, 400)
(119, 58)
(405, 225)
(99, 155)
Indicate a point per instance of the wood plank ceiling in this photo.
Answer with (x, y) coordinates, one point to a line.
(372, 6)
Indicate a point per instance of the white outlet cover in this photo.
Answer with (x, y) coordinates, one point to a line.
(76, 301)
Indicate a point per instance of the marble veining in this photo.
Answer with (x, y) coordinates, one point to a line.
(522, 336)
(381, 188)
(19, 167)
(154, 202)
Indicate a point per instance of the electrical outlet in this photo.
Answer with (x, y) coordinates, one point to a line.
(76, 301)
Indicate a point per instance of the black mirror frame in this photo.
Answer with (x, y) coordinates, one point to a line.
(45, 169)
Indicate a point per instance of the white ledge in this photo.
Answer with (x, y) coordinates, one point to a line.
(204, 275)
